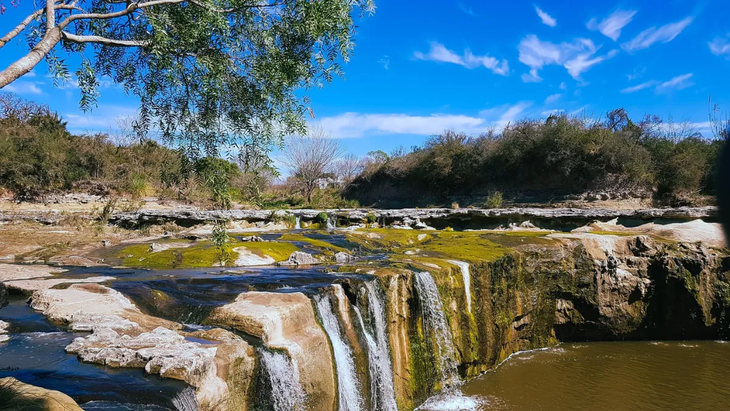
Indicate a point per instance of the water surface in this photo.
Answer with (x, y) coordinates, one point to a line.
(611, 376)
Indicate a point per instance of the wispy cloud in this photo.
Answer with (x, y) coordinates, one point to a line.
(546, 18)
(358, 125)
(637, 73)
(638, 87)
(677, 83)
(563, 86)
(577, 56)
(385, 62)
(467, 10)
(103, 118)
(720, 46)
(24, 88)
(469, 60)
(553, 98)
(663, 34)
(611, 26)
(551, 112)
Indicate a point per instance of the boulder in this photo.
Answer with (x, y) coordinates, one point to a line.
(4, 331)
(343, 257)
(18, 395)
(300, 258)
(286, 321)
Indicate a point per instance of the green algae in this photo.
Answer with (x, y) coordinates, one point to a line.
(200, 254)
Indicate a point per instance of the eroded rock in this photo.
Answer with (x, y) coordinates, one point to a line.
(18, 395)
(287, 322)
(300, 258)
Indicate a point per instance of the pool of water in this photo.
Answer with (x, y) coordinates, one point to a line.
(610, 376)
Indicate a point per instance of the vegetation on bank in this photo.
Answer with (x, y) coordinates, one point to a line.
(559, 155)
(542, 159)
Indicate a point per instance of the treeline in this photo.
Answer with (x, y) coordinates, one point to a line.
(39, 156)
(546, 158)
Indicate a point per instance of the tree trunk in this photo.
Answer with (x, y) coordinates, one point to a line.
(30, 60)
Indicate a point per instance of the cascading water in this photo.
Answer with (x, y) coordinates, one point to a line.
(298, 223)
(347, 383)
(286, 391)
(464, 266)
(185, 400)
(381, 369)
(451, 397)
(435, 322)
(331, 223)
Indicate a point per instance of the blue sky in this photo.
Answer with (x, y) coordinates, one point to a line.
(421, 67)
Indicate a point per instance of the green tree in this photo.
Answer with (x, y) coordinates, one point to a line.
(206, 71)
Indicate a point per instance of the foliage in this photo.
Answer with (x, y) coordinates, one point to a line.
(321, 218)
(494, 200)
(561, 154)
(206, 72)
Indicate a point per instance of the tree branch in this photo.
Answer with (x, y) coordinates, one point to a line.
(30, 60)
(50, 14)
(20, 27)
(103, 40)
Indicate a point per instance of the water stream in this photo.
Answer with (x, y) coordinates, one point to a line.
(464, 267)
(283, 378)
(348, 385)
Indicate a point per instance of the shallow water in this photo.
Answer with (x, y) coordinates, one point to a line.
(35, 355)
(610, 376)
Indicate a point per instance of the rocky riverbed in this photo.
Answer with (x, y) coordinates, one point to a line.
(365, 310)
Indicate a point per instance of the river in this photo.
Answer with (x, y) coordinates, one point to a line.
(610, 376)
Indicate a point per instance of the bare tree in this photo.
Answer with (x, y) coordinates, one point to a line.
(349, 167)
(311, 157)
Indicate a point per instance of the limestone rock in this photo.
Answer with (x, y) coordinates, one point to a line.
(29, 286)
(287, 321)
(10, 272)
(343, 257)
(300, 258)
(22, 396)
(4, 331)
(247, 258)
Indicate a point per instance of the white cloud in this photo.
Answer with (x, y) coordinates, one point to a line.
(24, 88)
(467, 10)
(356, 125)
(576, 56)
(579, 111)
(385, 62)
(638, 87)
(547, 113)
(469, 60)
(663, 34)
(720, 46)
(546, 18)
(611, 26)
(563, 86)
(636, 74)
(102, 118)
(553, 98)
(677, 83)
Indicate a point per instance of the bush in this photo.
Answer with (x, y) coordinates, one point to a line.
(321, 218)
(494, 200)
(370, 218)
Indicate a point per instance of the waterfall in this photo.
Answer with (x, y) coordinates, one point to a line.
(347, 383)
(435, 322)
(298, 223)
(467, 280)
(283, 375)
(185, 400)
(381, 369)
(331, 223)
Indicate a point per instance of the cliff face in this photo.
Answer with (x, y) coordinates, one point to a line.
(590, 287)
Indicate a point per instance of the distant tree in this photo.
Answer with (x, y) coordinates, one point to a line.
(311, 157)
(205, 71)
(348, 167)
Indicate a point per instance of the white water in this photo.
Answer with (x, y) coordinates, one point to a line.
(464, 266)
(298, 223)
(286, 391)
(330, 224)
(347, 384)
(381, 369)
(185, 400)
(435, 322)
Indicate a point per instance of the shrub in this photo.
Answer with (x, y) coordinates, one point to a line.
(370, 218)
(321, 218)
(494, 200)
